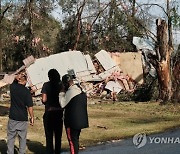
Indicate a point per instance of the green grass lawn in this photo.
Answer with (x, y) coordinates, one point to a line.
(107, 121)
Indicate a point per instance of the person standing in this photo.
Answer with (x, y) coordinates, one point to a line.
(21, 104)
(74, 101)
(53, 115)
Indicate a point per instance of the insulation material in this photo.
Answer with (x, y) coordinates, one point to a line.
(108, 73)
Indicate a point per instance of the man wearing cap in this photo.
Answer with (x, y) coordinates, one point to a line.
(21, 105)
(74, 101)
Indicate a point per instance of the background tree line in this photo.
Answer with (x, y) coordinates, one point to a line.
(27, 27)
(88, 25)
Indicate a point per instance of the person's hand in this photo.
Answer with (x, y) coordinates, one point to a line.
(31, 120)
(61, 94)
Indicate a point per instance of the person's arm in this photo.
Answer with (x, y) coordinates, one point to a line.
(44, 98)
(44, 93)
(62, 99)
(29, 104)
(30, 110)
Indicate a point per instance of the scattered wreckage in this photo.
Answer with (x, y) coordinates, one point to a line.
(105, 76)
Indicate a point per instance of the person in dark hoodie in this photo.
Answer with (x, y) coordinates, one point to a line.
(52, 118)
(74, 102)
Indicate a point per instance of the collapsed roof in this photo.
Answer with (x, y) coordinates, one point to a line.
(37, 69)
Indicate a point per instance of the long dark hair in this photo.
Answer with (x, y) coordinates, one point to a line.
(55, 81)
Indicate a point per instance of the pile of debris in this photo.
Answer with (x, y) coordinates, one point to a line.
(104, 76)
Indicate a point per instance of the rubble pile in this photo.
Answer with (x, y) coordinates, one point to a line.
(100, 77)
(111, 86)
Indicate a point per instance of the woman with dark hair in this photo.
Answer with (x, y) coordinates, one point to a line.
(74, 102)
(53, 115)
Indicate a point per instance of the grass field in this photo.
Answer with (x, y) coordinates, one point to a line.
(108, 121)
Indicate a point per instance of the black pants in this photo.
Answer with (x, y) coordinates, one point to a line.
(73, 138)
(53, 125)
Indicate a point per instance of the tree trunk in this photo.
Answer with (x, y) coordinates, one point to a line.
(2, 13)
(176, 78)
(162, 64)
(30, 35)
(1, 17)
(164, 78)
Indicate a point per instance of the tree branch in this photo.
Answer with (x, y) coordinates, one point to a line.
(96, 17)
(3, 13)
(154, 5)
(78, 15)
(131, 19)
